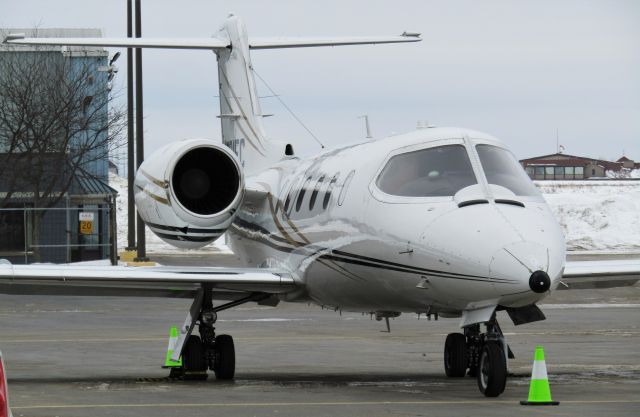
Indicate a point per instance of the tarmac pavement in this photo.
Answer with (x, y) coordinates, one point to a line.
(81, 356)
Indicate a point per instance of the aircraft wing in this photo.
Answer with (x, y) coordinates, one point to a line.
(600, 274)
(161, 281)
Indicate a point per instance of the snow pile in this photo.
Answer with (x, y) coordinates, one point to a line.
(624, 173)
(153, 243)
(596, 215)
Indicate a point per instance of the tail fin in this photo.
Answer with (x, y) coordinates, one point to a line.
(240, 111)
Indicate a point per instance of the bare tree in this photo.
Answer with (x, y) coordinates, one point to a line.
(57, 119)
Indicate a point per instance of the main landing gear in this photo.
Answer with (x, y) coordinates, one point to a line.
(479, 354)
(208, 351)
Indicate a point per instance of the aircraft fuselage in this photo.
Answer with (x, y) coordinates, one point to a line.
(358, 247)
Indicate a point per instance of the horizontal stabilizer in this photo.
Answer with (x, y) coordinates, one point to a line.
(273, 43)
(209, 43)
(204, 43)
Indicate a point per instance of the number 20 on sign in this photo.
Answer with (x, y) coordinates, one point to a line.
(86, 223)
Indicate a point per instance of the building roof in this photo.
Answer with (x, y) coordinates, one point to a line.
(52, 166)
(87, 184)
(624, 159)
(561, 159)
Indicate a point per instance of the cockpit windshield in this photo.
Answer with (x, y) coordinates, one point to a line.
(501, 168)
(432, 172)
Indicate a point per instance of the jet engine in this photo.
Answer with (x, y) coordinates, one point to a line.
(188, 192)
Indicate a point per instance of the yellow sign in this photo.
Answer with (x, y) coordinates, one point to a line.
(86, 223)
(86, 227)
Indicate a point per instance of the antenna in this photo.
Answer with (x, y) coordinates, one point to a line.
(366, 125)
(557, 141)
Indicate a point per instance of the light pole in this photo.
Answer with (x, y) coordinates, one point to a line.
(131, 208)
(142, 250)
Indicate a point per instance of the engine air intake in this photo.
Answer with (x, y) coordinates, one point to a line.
(205, 181)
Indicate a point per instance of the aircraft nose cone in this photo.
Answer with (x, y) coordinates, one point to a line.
(539, 282)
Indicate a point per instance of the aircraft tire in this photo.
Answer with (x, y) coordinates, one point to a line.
(225, 362)
(194, 359)
(455, 355)
(492, 370)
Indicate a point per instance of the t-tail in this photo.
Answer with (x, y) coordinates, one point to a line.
(240, 112)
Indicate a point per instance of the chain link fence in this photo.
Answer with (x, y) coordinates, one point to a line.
(58, 235)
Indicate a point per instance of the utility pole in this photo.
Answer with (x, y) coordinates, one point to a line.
(131, 208)
(142, 250)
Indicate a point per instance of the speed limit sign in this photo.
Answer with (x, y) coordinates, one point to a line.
(86, 223)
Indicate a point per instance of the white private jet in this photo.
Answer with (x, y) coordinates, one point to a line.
(439, 221)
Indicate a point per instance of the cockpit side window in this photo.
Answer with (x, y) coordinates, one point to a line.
(433, 172)
(501, 168)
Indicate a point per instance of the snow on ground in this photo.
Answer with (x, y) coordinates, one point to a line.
(594, 215)
(624, 173)
(153, 243)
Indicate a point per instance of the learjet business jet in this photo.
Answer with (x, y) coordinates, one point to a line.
(442, 222)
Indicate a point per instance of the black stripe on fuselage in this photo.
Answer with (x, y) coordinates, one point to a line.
(187, 238)
(415, 268)
(355, 259)
(185, 229)
(407, 270)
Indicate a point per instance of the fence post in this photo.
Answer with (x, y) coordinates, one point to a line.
(24, 227)
(113, 231)
(68, 230)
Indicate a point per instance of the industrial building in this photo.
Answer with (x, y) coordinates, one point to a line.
(74, 220)
(560, 166)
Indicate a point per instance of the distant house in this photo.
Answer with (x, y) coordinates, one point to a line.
(628, 163)
(560, 166)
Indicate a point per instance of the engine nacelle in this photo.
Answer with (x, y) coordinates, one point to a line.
(188, 192)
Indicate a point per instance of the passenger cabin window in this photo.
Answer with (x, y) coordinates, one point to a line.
(345, 186)
(433, 172)
(314, 194)
(327, 194)
(501, 168)
(301, 195)
(287, 202)
(291, 196)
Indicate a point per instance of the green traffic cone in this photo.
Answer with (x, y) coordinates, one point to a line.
(539, 392)
(173, 338)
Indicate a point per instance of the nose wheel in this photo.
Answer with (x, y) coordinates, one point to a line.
(456, 356)
(492, 370)
(480, 355)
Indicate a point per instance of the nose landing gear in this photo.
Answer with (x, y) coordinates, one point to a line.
(483, 355)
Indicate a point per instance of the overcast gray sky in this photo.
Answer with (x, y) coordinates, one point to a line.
(518, 70)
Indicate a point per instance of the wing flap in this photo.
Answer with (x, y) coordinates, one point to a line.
(600, 274)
